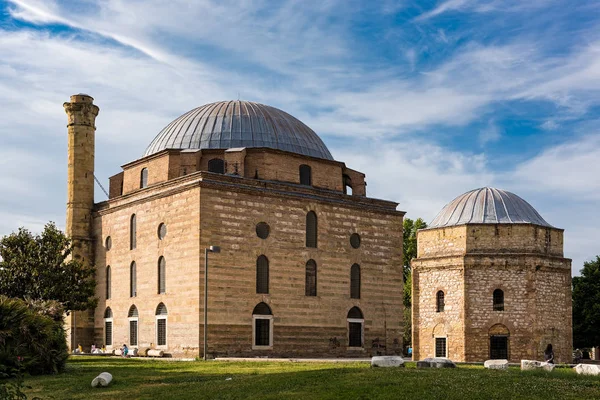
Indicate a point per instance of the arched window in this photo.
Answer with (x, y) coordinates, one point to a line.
(262, 327)
(311, 229)
(216, 165)
(144, 178)
(347, 183)
(439, 298)
(311, 278)
(133, 325)
(262, 274)
(132, 232)
(498, 298)
(161, 325)
(355, 281)
(162, 280)
(355, 327)
(108, 282)
(108, 325)
(305, 175)
(132, 279)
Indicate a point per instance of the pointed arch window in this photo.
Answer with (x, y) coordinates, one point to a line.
(311, 229)
(216, 165)
(498, 299)
(262, 327)
(355, 281)
(262, 274)
(132, 279)
(440, 301)
(356, 322)
(311, 278)
(132, 316)
(162, 280)
(108, 279)
(305, 175)
(161, 325)
(144, 178)
(108, 327)
(132, 232)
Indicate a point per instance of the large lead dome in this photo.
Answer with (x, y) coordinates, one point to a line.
(230, 124)
(488, 206)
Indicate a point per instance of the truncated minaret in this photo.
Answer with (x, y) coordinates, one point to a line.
(81, 113)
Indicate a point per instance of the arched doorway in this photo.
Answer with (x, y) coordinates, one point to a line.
(499, 335)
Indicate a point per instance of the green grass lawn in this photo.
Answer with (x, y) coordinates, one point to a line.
(142, 379)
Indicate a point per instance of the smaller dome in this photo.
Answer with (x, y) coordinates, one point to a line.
(487, 206)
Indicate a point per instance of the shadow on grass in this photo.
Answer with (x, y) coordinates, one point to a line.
(140, 379)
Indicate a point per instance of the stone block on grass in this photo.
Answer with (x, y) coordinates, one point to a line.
(496, 364)
(387, 361)
(102, 380)
(436, 362)
(587, 369)
(529, 365)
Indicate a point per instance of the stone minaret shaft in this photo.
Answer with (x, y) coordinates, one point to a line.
(81, 113)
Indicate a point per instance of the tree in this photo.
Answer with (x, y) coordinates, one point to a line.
(40, 267)
(410, 229)
(586, 305)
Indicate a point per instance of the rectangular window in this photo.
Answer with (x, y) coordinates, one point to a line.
(440, 347)
(133, 333)
(499, 347)
(262, 332)
(161, 332)
(108, 333)
(354, 334)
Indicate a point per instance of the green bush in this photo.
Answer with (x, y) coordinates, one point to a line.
(31, 337)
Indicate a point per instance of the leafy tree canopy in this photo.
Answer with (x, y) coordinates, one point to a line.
(40, 267)
(586, 305)
(409, 252)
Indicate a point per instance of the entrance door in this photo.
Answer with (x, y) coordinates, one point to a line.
(499, 347)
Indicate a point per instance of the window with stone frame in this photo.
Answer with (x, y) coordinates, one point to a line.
(132, 232)
(498, 299)
(144, 178)
(355, 321)
(262, 274)
(440, 347)
(311, 278)
(162, 279)
(216, 165)
(108, 327)
(311, 229)
(355, 281)
(132, 279)
(440, 302)
(161, 325)
(262, 326)
(133, 325)
(108, 279)
(305, 175)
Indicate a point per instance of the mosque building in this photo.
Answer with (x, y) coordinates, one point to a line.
(308, 264)
(490, 282)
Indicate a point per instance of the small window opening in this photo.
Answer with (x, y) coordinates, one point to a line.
(216, 165)
(262, 326)
(311, 278)
(355, 281)
(262, 275)
(440, 301)
(355, 327)
(305, 175)
(440, 347)
(311, 229)
(144, 178)
(498, 298)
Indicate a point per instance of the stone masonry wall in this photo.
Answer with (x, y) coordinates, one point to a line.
(303, 325)
(427, 322)
(441, 242)
(180, 211)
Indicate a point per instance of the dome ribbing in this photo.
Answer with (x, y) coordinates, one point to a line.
(487, 206)
(231, 124)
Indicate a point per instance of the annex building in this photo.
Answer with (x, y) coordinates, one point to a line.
(490, 282)
(308, 264)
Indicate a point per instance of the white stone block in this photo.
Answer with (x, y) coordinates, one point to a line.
(436, 362)
(496, 364)
(387, 361)
(155, 353)
(587, 369)
(528, 365)
(102, 380)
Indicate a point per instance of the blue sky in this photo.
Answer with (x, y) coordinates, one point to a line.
(429, 98)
